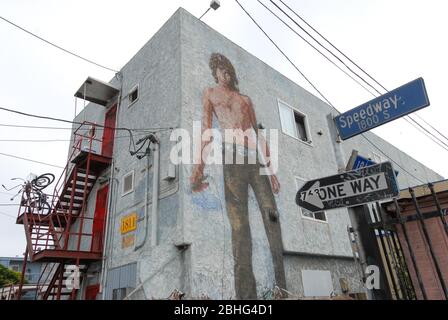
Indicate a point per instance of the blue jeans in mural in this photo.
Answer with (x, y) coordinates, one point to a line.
(237, 179)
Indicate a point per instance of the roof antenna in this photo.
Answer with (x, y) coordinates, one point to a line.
(214, 4)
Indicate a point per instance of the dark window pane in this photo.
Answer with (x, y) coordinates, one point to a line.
(300, 125)
(320, 216)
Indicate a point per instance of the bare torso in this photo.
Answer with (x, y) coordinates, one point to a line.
(233, 111)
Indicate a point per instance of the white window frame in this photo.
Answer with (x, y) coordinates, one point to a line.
(300, 209)
(123, 192)
(305, 121)
(129, 95)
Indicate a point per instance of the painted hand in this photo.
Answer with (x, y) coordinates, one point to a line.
(275, 184)
(197, 181)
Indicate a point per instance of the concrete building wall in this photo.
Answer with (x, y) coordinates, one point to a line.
(208, 228)
(172, 72)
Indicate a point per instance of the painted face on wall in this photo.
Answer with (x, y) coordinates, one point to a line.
(223, 77)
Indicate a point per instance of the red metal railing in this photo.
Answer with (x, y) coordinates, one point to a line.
(62, 225)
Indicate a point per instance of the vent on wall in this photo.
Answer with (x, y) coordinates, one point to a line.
(128, 183)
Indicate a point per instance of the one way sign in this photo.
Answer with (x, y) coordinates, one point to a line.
(349, 189)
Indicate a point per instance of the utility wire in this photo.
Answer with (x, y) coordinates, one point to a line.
(331, 44)
(131, 137)
(314, 47)
(19, 140)
(376, 147)
(8, 215)
(81, 123)
(320, 44)
(426, 130)
(56, 46)
(431, 126)
(423, 132)
(32, 127)
(407, 118)
(281, 51)
(61, 140)
(352, 62)
(414, 123)
(26, 159)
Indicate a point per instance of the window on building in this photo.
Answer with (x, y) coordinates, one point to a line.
(293, 122)
(128, 183)
(133, 95)
(319, 216)
(15, 267)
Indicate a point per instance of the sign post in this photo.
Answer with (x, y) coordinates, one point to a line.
(393, 105)
(349, 189)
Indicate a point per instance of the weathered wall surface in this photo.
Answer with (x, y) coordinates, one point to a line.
(209, 229)
(172, 71)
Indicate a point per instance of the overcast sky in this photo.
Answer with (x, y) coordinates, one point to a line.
(396, 41)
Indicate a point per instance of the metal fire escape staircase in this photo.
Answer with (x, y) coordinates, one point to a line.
(64, 236)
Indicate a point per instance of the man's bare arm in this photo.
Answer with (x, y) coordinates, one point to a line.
(207, 118)
(264, 146)
(253, 120)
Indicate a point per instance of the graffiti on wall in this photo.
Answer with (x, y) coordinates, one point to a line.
(247, 156)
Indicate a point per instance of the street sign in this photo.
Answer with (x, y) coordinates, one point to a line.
(349, 189)
(357, 162)
(393, 105)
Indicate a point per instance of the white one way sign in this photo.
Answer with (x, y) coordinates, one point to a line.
(349, 189)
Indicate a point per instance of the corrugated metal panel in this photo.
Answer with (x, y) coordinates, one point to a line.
(128, 276)
(133, 278)
(121, 277)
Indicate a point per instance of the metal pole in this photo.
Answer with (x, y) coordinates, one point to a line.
(441, 213)
(391, 251)
(155, 194)
(428, 240)
(410, 290)
(386, 255)
(22, 276)
(411, 252)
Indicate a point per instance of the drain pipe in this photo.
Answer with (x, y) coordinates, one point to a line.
(155, 195)
(138, 246)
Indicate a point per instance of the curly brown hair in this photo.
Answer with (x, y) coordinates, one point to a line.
(218, 60)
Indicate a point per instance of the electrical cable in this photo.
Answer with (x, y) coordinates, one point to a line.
(30, 160)
(427, 133)
(8, 215)
(314, 47)
(32, 127)
(247, 13)
(56, 46)
(354, 63)
(131, 142)
(320, 44)
(281, 51)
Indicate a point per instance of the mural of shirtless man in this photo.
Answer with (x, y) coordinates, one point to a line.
(236, 111)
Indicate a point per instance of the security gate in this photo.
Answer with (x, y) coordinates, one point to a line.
(412, 237)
